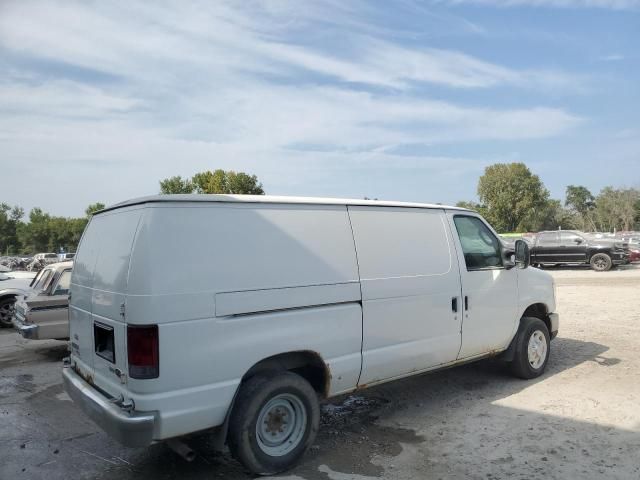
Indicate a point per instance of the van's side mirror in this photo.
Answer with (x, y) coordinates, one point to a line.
(522, 254)
(578, 241)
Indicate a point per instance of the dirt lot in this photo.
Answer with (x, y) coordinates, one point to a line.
(580, 420)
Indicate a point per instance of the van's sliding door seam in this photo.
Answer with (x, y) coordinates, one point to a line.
(355, 249)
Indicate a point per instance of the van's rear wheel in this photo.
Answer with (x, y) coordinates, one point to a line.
(274, 420)
(532, 349)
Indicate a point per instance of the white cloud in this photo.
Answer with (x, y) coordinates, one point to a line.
(64, 99)
(219, 38)
(143, 91)
(612, 4)
(614, 57)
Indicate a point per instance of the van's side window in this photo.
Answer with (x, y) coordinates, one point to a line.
(480, 246)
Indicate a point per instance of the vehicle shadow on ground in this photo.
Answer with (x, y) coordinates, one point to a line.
(24, 352)
(357, 428)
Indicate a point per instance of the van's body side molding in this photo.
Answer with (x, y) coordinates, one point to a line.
(265, 300)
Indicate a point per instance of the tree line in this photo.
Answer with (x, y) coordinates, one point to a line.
(217, 181)
(513, 199)
(42, 232)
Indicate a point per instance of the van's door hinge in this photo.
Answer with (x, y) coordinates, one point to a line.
(122, 310)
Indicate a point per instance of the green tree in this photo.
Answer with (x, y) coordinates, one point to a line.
(9, 221)
(177, 184)
(46, 233)
(554, 216)
(243, 183)
(210, 182)
(227, 182)
(34, 236)
(217, 181)
(93, 208)
(582, 202)
(476, 207)
(513, 197)
(617, 209)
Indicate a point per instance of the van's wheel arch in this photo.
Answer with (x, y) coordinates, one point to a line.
(7, 306)
(275, 417)
(531, 348)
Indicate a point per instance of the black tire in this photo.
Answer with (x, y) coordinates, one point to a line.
(520, 365)
(255, 394)
(601, 262)
(6, 312)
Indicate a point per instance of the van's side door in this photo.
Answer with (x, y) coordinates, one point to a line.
(410, 290)
(489, 290)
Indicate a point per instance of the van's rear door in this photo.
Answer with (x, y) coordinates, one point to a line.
(98, 298)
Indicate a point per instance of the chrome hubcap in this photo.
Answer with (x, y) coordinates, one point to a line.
(537, 350)
(281, 425)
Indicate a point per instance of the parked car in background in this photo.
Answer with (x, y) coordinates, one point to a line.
(12, 286)
(43, 313)
(566, 247)
(46, 257)
(270, 303)
(20, 274)
(14, 263)
(66, 256)
(634, 254)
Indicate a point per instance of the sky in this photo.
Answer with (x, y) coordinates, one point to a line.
(396, 100)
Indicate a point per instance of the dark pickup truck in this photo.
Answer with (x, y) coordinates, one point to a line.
(571, 247)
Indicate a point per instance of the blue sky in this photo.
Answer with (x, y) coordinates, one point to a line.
(401, 100)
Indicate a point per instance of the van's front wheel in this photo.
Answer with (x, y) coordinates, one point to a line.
(274, 419)
(532, 349)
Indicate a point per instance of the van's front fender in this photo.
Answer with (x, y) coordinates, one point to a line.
(535, 287)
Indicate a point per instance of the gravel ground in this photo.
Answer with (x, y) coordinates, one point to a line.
(580, 420)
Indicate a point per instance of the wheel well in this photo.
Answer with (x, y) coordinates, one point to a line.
(538, 310)
(308, 364)
(593, 253)
(5, 297)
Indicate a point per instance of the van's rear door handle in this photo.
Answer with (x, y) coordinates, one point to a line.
(454, 304)
(466, 303)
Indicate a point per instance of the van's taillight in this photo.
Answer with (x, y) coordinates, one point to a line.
(142, 350)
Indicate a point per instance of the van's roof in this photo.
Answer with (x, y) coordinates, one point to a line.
(271, 199)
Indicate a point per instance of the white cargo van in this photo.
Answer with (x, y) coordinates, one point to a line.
(268, 304)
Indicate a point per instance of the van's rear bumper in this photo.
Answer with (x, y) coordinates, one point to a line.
(130, 429)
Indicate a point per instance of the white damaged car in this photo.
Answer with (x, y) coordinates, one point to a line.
(43, 313)
(12, 286)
